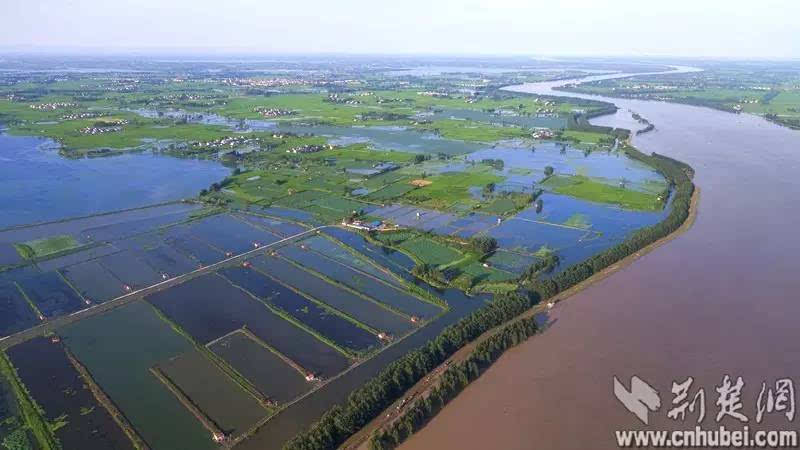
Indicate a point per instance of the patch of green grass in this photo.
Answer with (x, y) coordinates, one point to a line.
(588, 189)
(586, 137)
(578, 221)
(430, 252)
(46, 246)
(467, 130)
(450, 188)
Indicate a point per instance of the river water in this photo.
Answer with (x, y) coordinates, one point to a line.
(720, 299)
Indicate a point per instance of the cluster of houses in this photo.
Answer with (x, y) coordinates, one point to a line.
(434, 94)
(344, 100)
(111, 126)
(228, 141)
(52, 106)
(273, 112)
(310, 148)
(84, 115)
(362, 225)
(264, 83)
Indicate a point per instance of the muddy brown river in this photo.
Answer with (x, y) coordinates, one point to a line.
(721, 299)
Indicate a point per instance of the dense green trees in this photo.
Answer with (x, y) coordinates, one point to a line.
(483, 244)
(452, 382)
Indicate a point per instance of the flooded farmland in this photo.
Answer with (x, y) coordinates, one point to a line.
(318, 318)
(58, 388)
(229, 406)
(118, 349)
(362, 308)
(49, 187)
(197, 306)
(273, 377)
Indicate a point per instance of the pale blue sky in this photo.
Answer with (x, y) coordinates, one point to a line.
(732, 28)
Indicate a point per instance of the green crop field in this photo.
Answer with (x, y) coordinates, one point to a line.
(430, 252)
(589, 189)
(46, 246)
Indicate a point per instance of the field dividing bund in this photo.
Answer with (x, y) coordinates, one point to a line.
(208, 307)
(274, 375)
(352, 303)
(342, 330)
(134, 339)
(361, 282)
(80, 421)
(201, 384)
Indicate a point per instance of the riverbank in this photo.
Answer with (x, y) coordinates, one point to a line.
(360, 440)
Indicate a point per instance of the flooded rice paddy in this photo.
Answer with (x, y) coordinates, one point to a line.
(118, 348)
(229, 406)
(313, 315)
(360, 307)
(210, 307)
(361, 282)
(270, 374)
(61, 392)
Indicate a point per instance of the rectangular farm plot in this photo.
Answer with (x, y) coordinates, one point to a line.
(361, 282)
(118, 348)
(15, 313)
(130, 270)
(94, 281)
(209, 307)
(430, 252)
(362, 309)
(271, 375)
(229, 234)
(275, 226)
(59, 389)
(323, 321)
(51, 294)
(167, 260)
(219, 398)
(200, 252)
(333, 250)
(398, 262)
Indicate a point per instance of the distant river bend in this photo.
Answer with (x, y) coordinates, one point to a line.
(719, 299)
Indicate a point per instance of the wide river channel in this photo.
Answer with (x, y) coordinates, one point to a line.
(721, 299)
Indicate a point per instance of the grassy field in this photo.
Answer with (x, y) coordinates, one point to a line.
(449, 188)
(46, 246)
(588, 189)
(430, 252)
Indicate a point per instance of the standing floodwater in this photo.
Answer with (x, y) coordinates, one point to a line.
(40, 185)
(720, 299)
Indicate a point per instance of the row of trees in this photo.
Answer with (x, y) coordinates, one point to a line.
(452, 382)
(341, 421)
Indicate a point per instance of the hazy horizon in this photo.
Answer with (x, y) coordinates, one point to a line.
(718, 29)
